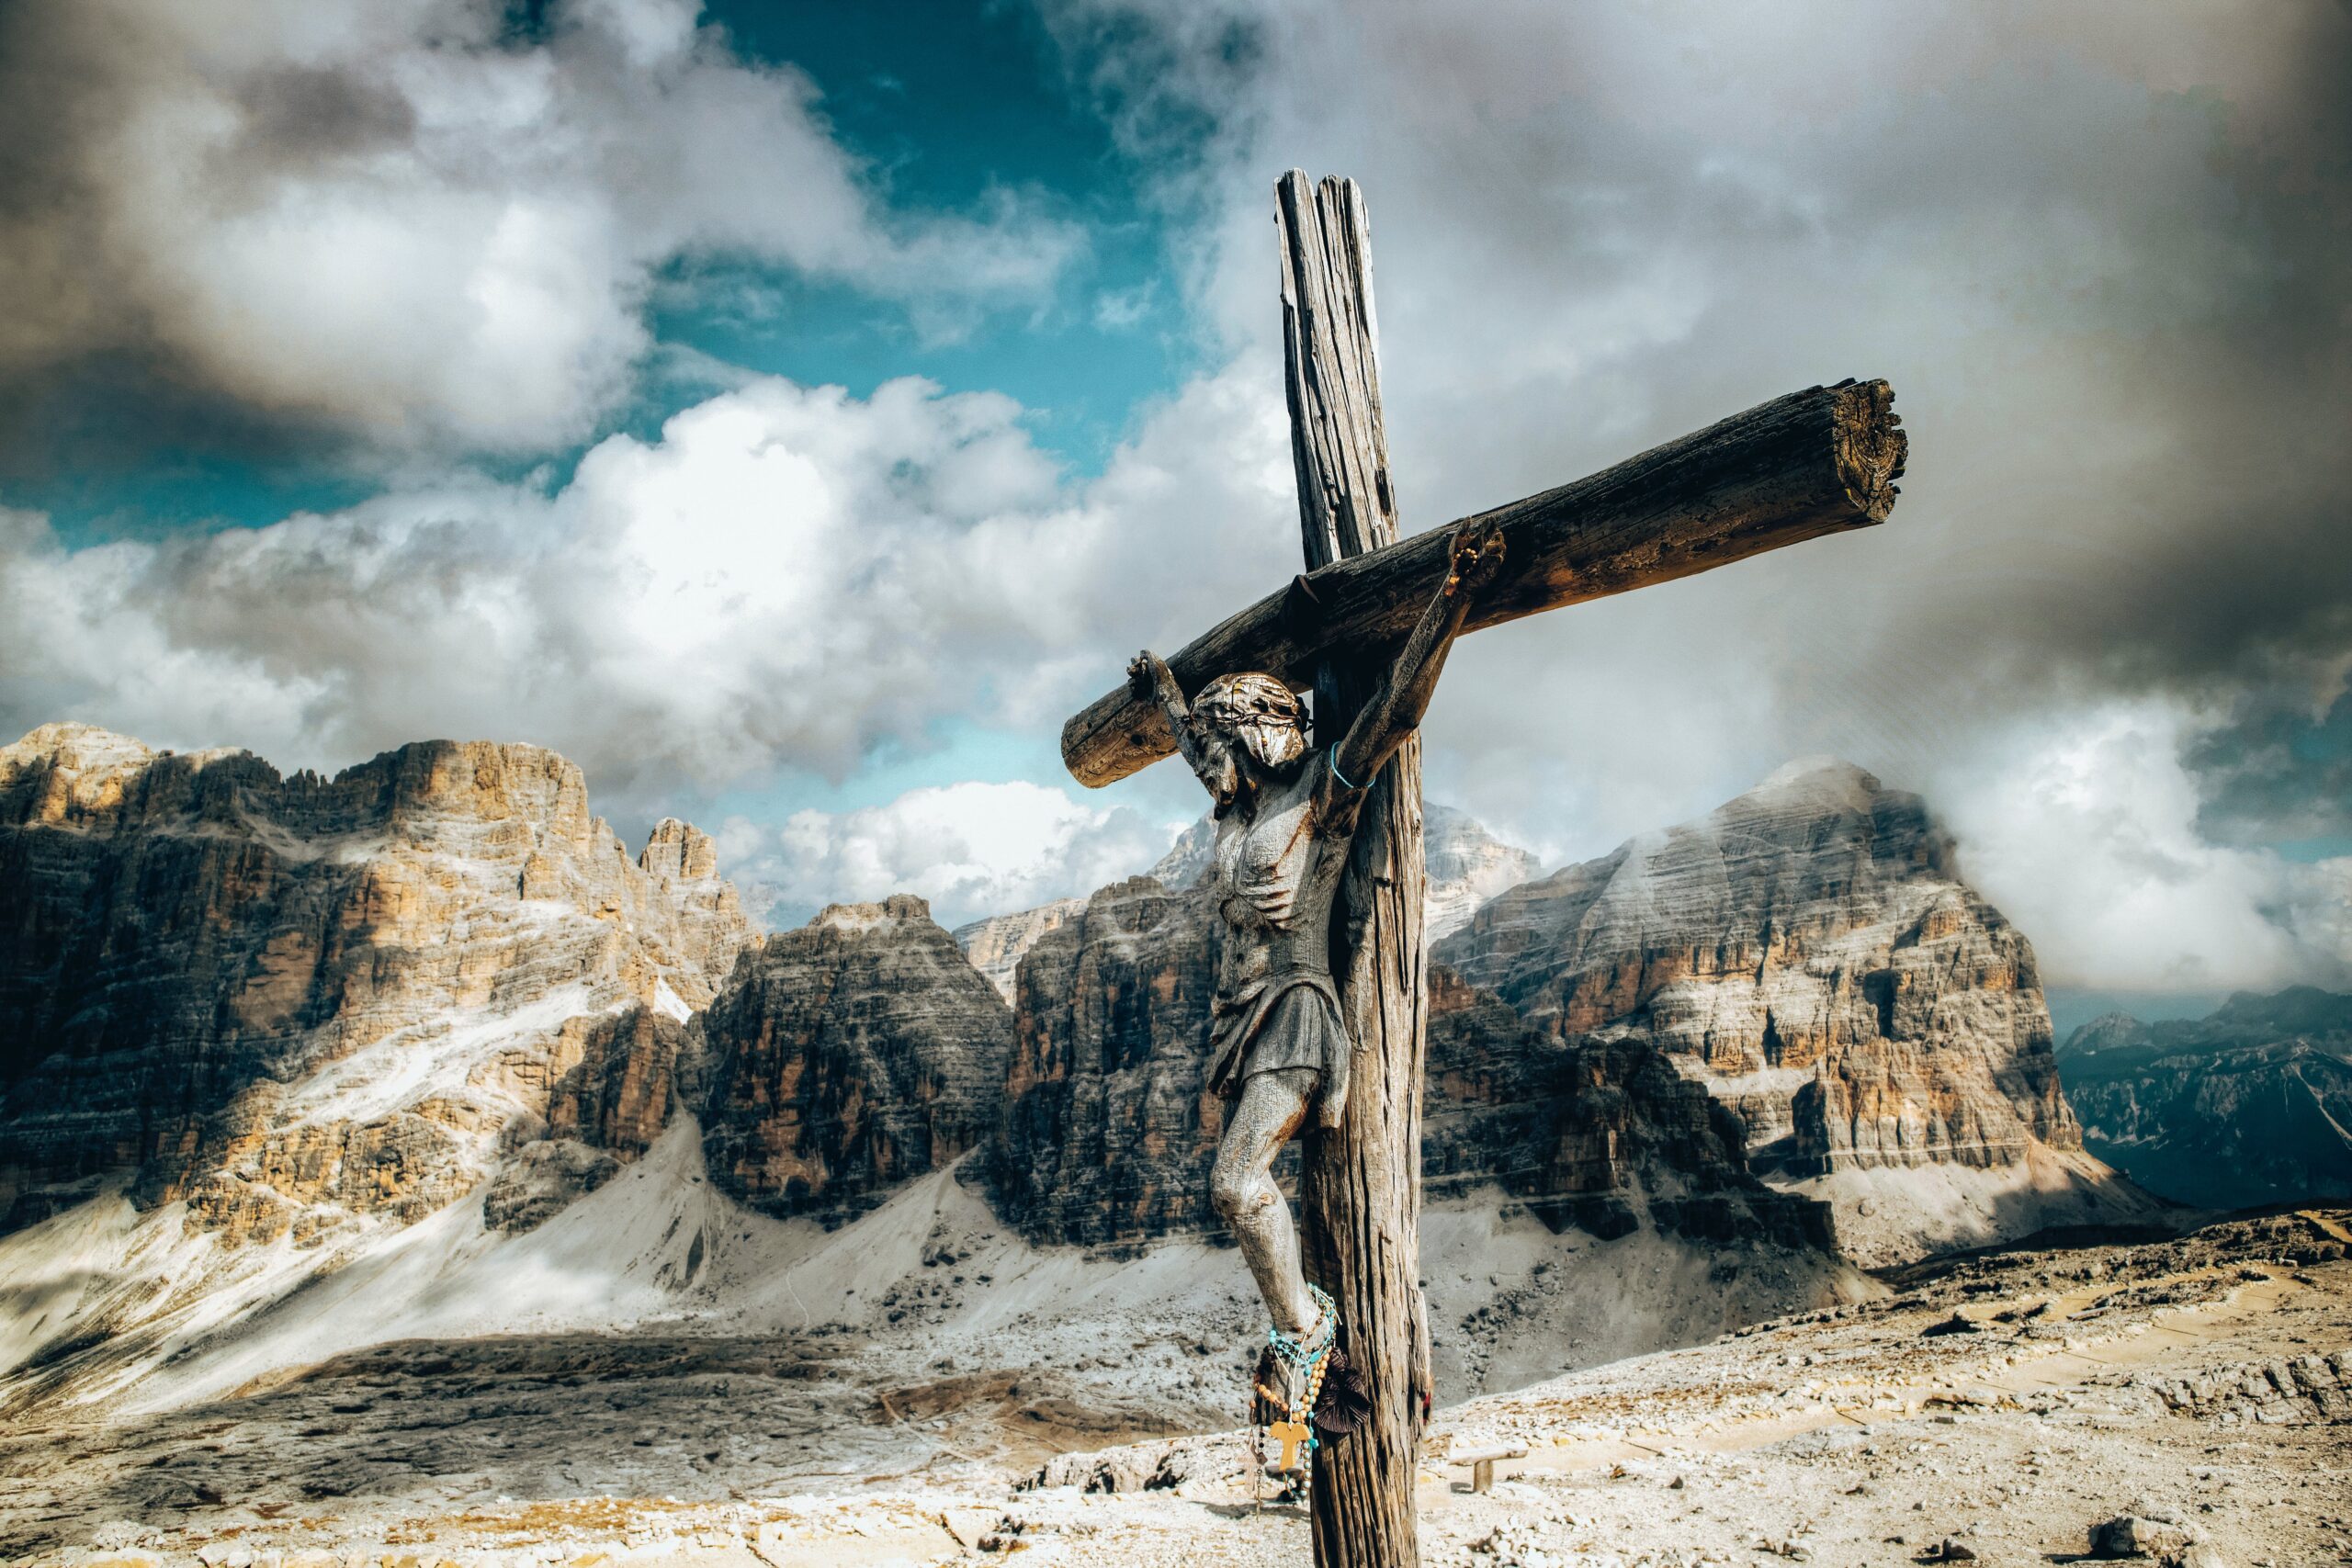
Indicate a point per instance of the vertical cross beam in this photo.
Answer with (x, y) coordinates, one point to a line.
(1361, 1188)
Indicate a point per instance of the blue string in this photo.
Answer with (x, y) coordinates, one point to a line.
(1330, 763)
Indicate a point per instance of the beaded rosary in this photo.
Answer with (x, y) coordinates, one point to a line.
(1310, 1357)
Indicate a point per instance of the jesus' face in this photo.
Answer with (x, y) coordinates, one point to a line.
(1234, 755)
(1246, 728)
(1273, 745)
(1220, 764)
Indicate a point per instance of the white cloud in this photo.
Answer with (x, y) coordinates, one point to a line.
(786, 578)
(399, 220)
(2085, 835)
(1124, 310)
(775, 580)
(971, 849)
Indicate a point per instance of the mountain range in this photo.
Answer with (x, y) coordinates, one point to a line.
(2250, 1105)
(290, 1065)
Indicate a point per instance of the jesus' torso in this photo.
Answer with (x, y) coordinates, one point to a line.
(1277, 871)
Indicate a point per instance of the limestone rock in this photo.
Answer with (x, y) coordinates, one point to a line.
(849, 1055)
(1810, 953)
(1108, 1133)
(2310, 1390)
(295, 1002)
(1107, 1128)
(1467, 865)
(996, 945)
(541, 1180)
(2245, 1107)
(1188, 859)
(2129, 1534)
(1600, 1134)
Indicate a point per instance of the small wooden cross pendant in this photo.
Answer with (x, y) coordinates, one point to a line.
(1290, 1435)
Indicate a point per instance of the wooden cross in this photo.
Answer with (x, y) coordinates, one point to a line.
(1818, 461)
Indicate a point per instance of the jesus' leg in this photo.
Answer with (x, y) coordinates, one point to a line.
(1271, 1106)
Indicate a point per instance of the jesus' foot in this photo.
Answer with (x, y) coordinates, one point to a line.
(1290, 1381)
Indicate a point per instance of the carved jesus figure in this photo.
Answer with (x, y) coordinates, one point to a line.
(1285, 817)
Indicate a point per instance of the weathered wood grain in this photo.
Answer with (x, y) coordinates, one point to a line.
(1331, 370)
(1814, 462)
(1362, 1185)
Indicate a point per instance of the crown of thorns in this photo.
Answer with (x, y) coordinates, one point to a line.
(1246, 698)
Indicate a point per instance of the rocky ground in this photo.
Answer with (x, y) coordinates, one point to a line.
(1993, 1409)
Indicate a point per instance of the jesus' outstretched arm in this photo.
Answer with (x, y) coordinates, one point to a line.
(1396, 709)
(1150, 678)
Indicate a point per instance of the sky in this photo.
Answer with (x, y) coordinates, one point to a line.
(792, 411)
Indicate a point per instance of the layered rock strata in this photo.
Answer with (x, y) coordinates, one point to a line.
(290, 1001)
(1601, 1133)
(1108, 1133)
(1107, 1129)
(849, 1055)
(1809, 954)
(997, 944)
(1467, 866)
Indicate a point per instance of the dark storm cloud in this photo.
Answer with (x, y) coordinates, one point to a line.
(300, 114)
(2104, 258)
(2278, 768)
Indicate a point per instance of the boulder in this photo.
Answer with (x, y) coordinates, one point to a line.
(2135, 1535)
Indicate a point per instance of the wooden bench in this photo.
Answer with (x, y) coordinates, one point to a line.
(1482, 1464)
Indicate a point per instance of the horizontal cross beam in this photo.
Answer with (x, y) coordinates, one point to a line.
(1819, 461)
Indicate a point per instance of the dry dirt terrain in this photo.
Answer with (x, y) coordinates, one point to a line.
(1991, 1408)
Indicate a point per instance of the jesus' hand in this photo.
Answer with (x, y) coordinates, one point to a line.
(1149, 679)
(1477, 557)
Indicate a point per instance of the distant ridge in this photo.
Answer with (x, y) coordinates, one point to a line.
(2251, 1104)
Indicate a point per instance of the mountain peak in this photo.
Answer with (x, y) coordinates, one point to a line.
(72, 733)
(679, 850)
(896, 909)
(1823, 776)
(1809, 952)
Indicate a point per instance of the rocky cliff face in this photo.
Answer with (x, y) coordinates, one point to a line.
(1108, 1134)
(1810, 954)
(1467, 866)
(996, 945)
(848, 1056)
(2250, 1105)
(287, 1001)
(1107, 1130)
(1599, 1133)
(252, 1028)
